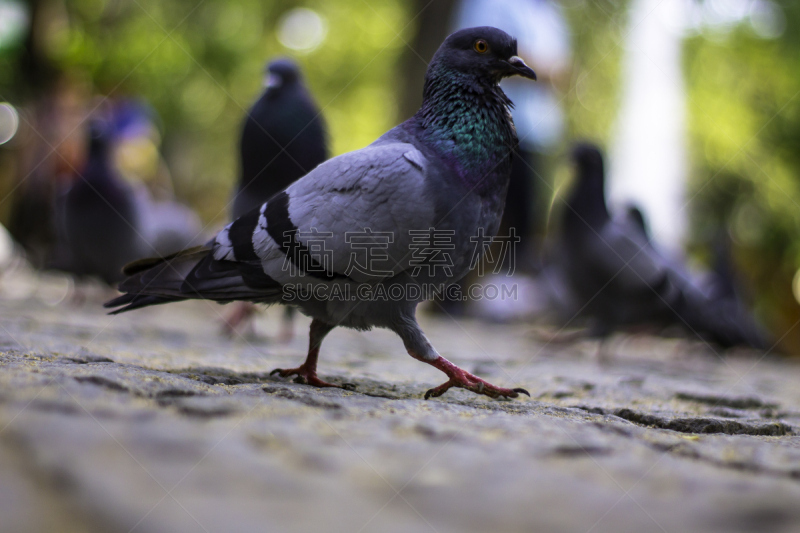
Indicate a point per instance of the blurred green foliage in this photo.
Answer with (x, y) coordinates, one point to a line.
(744, 135)
(200, 64)
(592, 102)
(590, 95)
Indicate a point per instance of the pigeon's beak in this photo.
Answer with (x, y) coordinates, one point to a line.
(518, 67)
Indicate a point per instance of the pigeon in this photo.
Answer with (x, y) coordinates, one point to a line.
(283, 138)
(619, 279)
(100, 216)
(106, 222)
(342, 243)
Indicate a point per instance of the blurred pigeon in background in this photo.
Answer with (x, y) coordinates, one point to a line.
(100, 216)
(166, 225)
(107, 222)
(284, 137)
(446, 169)
(718, 283)
(620, 279)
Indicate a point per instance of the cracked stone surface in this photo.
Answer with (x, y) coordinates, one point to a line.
(153, 421)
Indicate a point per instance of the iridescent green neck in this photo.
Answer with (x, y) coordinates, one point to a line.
(467, 120)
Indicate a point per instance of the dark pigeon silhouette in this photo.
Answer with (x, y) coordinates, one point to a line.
(105, 222)
(619, 279)
(445, 168)
(100, 216)
(283, 138)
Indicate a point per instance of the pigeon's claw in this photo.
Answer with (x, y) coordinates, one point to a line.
(304, 375)
(438, 391)
(463, 379)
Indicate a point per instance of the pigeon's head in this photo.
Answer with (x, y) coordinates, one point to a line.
(484, 52)
(281, 73)
(635, 215)
(588, 197)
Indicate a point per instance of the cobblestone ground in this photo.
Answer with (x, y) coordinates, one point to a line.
(152, 421)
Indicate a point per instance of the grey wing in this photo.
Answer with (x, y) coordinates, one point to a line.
(349, 218)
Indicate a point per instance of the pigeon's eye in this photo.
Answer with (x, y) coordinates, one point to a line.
(481, 46)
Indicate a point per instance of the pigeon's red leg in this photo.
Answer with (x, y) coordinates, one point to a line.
(419, 348)
(307, 372)
(463, 379)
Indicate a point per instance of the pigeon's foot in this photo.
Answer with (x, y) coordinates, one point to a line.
(304, 375)
(463, 379)
(307, 372)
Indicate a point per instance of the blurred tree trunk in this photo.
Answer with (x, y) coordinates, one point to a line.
(37, 72)
(432, 19)
(48, 150)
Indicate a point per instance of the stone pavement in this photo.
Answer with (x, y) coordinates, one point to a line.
(151, 421)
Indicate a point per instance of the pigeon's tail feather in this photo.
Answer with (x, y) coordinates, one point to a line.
(725, 322)
(147, 263)
(135, 301)
(191, 274)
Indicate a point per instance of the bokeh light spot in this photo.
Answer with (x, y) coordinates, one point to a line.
(302, 29)
(767, 19)
(796, 286)
(9, 122)
(14, 21)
